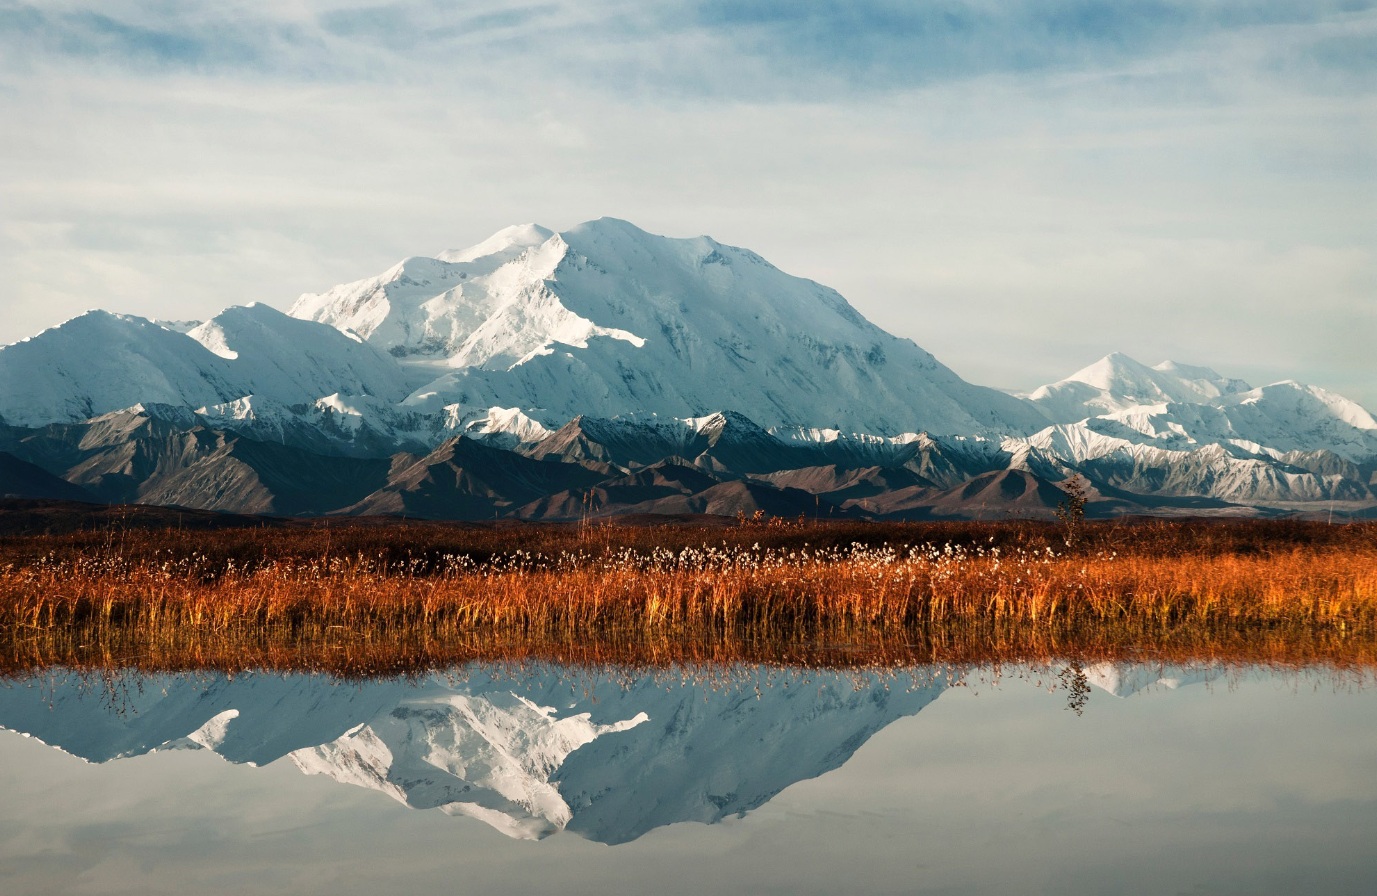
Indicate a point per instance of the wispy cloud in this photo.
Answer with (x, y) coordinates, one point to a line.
(1015, 184)
(792, 49)
(117, 38)
(405, 27)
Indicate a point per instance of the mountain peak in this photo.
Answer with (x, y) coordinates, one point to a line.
(1113, 372)
(610, 320)
(99, 362)
(509, 241)
(100, 318)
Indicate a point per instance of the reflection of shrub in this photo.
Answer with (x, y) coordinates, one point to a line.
(1077, 685)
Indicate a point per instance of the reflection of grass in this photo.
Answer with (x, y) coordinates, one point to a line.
(361, 599)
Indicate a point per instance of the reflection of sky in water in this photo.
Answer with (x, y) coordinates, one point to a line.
(1265, 784)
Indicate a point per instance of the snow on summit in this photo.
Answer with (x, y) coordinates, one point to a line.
(503, 246)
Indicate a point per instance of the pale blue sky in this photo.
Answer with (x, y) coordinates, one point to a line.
(1018, 187)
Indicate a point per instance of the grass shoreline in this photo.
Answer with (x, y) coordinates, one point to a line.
(392, 598)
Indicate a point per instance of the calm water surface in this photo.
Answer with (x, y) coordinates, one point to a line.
(1110, 779)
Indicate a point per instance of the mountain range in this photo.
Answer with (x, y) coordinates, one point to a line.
(606, 370)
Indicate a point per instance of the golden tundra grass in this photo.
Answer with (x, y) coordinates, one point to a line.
(388, 599)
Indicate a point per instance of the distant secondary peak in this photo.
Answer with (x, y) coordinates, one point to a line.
(1115, 365)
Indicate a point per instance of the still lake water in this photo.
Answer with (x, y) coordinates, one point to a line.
(481, 780)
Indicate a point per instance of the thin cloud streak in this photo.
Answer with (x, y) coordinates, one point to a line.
(695, 47)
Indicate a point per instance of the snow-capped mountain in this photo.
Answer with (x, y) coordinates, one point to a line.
(1179, 406)
(1176, 406)
(1116, 382)
(608, 320)
(101, 362)
(1181, 431)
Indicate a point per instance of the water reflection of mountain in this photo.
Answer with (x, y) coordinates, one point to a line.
(1125, 680)
(530, 754)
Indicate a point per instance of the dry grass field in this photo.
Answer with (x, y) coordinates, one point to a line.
(362, 598)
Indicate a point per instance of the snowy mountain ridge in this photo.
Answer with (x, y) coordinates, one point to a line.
(1181, 431)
